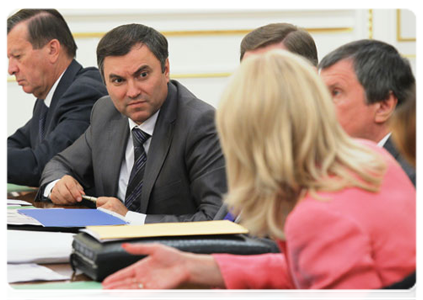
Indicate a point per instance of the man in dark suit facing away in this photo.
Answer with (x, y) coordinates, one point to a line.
(269, 37)
(368, 80)
(41, 52)
(152, 152)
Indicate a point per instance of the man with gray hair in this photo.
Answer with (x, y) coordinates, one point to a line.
(368, 79)
(41, 52)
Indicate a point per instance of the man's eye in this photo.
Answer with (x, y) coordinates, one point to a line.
(335, 92)
(117, 80)
(143, 74)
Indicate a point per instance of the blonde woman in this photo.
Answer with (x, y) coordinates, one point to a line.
(341, 210)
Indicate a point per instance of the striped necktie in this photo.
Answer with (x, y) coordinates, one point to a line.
(135, 183)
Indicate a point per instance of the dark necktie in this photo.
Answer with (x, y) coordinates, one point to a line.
(135, 183)
(42, 120)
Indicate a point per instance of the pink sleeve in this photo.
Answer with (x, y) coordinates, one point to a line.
(264, 271)
(328, 250)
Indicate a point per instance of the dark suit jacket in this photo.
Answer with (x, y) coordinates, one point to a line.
(409, 170)
(184, 177)
(68, 117)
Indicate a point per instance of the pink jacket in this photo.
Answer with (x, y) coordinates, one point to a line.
(356, 240)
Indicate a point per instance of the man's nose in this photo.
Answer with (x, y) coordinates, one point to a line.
(13, 67)
(133, 90)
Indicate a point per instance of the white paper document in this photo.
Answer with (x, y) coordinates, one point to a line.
(31, 272)
(14, 202)
(15, 218)
(38, 247)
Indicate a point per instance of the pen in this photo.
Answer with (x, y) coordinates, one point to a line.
(89, 198)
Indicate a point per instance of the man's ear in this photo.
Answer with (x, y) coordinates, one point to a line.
(53, 49)
(166, 70)
(385, 108)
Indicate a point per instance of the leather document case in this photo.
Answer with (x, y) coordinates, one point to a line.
(98, 260)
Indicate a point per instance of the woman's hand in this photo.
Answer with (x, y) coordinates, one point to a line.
(165, 268)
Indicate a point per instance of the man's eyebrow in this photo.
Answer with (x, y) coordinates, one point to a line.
(141, 69)
(114, 76)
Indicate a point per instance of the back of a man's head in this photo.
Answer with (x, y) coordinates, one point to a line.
(43, 26)
(379, 68)
(293, 38)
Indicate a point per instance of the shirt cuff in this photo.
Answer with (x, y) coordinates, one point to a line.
(135, 218)
(49, 188)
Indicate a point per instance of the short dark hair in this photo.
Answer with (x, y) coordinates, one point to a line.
(295, 39)
(379, 68)
(120, 40)
(43, 26)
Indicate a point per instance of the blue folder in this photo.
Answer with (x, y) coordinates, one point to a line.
(71, 217)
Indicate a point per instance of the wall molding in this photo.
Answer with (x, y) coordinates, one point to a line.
(370, 24)
(175, 76)
(399, 36)
(183, 33)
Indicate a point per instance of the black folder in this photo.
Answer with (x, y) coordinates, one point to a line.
(98, 260)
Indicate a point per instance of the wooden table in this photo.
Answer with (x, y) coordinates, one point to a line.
(185, 291)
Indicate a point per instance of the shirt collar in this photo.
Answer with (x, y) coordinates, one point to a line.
(47, 100)
(147, 126)
(383, 141)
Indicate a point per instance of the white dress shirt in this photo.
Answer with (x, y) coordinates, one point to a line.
(132, 217)
(47, 100)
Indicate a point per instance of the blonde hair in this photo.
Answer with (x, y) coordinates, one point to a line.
(281, 139)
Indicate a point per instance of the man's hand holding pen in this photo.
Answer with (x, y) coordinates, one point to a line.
(67, 191)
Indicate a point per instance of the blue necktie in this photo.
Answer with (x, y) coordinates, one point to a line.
(135, 183)
(42, 120)
(230, 217)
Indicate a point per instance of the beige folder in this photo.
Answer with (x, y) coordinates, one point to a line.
(118, 232)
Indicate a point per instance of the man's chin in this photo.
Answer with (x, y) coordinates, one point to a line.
(27, 89)
(140, 117)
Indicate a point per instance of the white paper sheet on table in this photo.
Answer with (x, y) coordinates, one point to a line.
(15, 218)
(31, 272)
(38, 247)
(15, 202)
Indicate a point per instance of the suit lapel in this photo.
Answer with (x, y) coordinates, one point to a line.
(118, 132)
(389, 146)
(66, 80)
(160, 144)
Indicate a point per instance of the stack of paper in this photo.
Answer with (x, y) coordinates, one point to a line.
(38, 247)
(31, 272)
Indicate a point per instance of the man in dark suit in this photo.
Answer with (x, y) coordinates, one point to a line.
(368, 80)
(268, 37)
(152, 152)
(41, 52)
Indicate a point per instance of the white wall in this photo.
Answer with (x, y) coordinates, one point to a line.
(204, 44)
